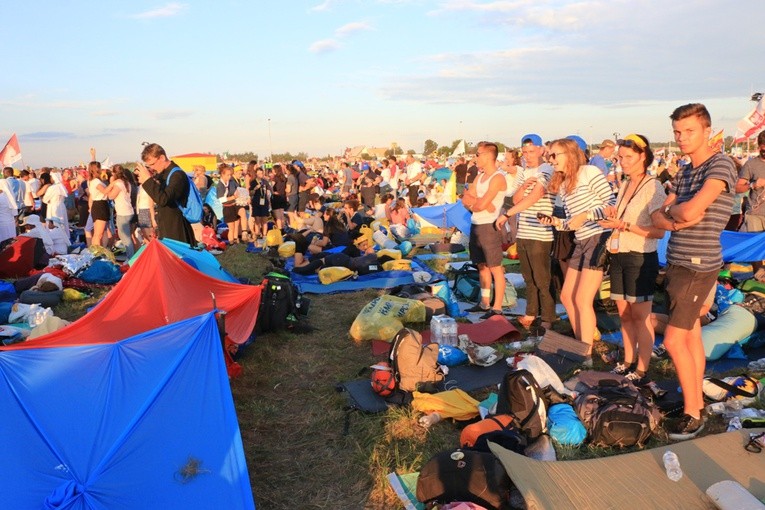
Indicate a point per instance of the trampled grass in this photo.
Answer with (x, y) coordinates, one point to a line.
(293, 420)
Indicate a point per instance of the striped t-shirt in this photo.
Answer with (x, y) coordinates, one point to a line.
(529, 226)
(698, 247)
(591, 194)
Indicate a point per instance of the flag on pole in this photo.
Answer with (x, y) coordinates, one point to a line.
(716, 141)
(107, 163)
(752, 123)
(11, 153)
(459, 150)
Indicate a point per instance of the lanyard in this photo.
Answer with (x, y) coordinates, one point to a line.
(643, 182)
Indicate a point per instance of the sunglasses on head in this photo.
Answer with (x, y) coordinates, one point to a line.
(632, 142)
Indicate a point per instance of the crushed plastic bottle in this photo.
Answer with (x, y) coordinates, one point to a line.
(429, 420)
(672, 465)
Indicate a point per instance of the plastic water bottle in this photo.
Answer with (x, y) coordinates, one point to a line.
(452, 332)
(436, 332)
(672, 465)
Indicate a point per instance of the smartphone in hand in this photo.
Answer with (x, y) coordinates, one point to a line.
(543, 216)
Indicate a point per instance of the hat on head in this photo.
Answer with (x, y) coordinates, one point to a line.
(298, 163)
(533, 139)
(579, 141)
(607, 143)
(32, 219)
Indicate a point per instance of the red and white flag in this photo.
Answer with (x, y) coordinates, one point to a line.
(11, 153)
(751, 124)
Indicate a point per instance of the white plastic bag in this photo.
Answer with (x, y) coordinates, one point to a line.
(544, 375)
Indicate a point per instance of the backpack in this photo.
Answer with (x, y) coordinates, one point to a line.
(497, 429)
(464, 475)
(615, 413)
(415, 366)
(468, 286)
(520, 396)
(277, 304)
(192, 211)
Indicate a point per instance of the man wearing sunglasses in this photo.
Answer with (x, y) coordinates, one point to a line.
(696, 213)
(484, 199)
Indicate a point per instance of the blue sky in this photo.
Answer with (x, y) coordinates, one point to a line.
(206, 76)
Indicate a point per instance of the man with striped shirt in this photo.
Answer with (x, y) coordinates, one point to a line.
(534, 240)
(696, 213)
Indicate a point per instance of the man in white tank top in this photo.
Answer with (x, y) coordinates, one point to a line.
(484, 199)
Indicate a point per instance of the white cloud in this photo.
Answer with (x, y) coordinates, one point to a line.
(172, 114)
(350, 28)
(324, 46)
(322, 7)
(169, 10)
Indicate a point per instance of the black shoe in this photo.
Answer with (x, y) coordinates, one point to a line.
(687, 428)
(476, 308)
(490, 313)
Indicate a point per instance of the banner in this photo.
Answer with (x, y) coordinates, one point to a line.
(11, 153)
(752, 123)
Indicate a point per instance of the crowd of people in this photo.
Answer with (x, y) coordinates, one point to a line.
(570, 213)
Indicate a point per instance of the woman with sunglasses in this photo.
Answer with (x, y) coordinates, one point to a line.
(634, 260)
(586, 196)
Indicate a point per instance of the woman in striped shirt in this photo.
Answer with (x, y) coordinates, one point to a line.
(586, 197)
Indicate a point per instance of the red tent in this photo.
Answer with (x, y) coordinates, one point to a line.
(159, 289)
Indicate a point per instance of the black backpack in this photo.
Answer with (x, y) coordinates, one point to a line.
(280, 304)
(520, 396)
(465, 475)
(616, 414)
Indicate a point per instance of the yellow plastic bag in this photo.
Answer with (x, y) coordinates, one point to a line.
(394, 254)
(384, 316)
(73, 295)
(287, 249)
(398, 265)
(449, 404)
(274, 237)
(334, 274)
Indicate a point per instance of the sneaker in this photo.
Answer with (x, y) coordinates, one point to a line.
(687, 428)
(659, 352)
(634, 378)
(623, 369)
(476, 308)
(654, 388)
(490, 313)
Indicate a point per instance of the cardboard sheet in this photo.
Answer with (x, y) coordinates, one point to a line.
(638, 480)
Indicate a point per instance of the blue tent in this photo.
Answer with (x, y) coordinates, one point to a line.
(201, 260)
(455, 215)
(736, 246)
(146, 422)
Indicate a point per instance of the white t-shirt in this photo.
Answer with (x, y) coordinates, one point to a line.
(96, 193)
(413, 171)
(32, 186)
(122, 205)
(143, 201)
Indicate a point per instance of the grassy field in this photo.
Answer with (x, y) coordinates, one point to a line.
(293, 420)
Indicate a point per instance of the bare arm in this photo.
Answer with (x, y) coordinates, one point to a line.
(695, 207)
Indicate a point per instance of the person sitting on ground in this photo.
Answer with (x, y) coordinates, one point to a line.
(382, 210)
(353, 217)
(209, 219)
(312, 216)
(334, 229)
(399, 216)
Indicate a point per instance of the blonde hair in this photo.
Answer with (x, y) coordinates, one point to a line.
(574, 161)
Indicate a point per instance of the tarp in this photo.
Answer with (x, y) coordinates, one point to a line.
(145, 422)
(736, 246)
(198, 259)
(610, 482)
(158, 290)
(450, 215)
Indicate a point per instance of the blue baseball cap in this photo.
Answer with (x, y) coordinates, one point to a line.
(298, 163)
(533, 138)
(579, 141)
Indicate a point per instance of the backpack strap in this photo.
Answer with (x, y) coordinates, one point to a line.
(175, 169)
(501, 426)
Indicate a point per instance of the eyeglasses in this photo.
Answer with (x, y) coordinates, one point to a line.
(152, 163)
(554, 155)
